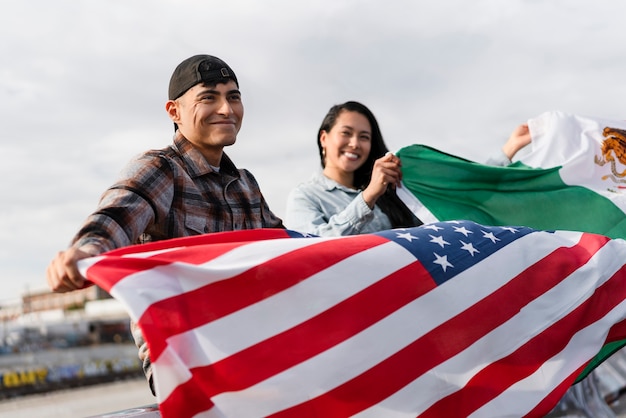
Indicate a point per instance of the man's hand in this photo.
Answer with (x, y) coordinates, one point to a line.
(63, 274)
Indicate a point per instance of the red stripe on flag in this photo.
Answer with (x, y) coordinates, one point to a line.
(107, 272)
(398, 370)
(111, 270)
(189, 403)
(225, 237)
(180, 314)
(617, 332)
(192, 250)
(499, 375)
(308, 339)
(548, 403)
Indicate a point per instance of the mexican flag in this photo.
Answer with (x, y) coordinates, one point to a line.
(573, 178)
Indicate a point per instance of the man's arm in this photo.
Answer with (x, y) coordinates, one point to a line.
(123, 214)
(520, 137)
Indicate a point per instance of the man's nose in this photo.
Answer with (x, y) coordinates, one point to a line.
(225, 108)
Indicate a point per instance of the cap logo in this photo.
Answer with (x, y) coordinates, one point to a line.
(224, 72)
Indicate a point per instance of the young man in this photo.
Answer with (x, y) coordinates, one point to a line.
(188, 188)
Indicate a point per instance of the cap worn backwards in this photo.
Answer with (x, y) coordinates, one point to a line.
(199, 69)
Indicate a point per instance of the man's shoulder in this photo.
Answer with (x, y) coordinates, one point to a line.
(168, 155)
(147, 163)
(165, 152)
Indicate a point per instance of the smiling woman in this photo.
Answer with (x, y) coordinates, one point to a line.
(355, 192)
(346, 146)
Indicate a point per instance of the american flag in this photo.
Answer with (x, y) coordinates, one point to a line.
(450, 319)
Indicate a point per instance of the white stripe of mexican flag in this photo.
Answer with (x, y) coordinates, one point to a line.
(575, 144)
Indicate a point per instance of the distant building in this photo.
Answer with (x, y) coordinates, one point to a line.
(46, 301)
(80, 317)
(42, 301)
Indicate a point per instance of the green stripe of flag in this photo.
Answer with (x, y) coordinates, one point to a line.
(455, 188)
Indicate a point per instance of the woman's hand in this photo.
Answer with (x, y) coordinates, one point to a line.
(386, 173)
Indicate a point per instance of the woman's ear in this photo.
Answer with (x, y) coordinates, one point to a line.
(323, 136)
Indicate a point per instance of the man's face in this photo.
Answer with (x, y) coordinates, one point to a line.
(209, 117)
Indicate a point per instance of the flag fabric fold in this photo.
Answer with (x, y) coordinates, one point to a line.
(448, 319)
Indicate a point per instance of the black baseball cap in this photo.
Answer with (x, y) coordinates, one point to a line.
(199, 69)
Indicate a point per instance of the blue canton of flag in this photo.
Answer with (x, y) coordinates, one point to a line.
(442, 247)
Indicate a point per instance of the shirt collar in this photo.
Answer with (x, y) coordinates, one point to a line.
(198, 165)
(330, 184)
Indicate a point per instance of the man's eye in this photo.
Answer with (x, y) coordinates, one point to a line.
(235, 98)
(207, 97)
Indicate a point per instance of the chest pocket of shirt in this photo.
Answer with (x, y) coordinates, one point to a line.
(247, 214)
(195, 224)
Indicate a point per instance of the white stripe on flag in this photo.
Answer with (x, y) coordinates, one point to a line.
(412, 202)
(172, 280)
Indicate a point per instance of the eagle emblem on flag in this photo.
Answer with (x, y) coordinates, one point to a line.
(613, 147)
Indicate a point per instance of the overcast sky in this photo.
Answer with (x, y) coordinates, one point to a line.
(84, 83)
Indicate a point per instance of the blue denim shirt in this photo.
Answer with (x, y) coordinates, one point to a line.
(499, 160)
(324, 207)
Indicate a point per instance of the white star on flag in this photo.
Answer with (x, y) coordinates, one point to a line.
(407, 236)
(439, 240)
(442, 261)
(467, 246)
(462, 230)
(489, 235)
(433, 227)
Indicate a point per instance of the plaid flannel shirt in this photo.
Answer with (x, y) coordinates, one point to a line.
(170, 193)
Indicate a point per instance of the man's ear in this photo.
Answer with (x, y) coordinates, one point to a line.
(171, 107)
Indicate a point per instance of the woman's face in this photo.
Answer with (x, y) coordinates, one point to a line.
(347, 144)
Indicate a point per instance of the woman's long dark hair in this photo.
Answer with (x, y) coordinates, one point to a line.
(399, 215)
